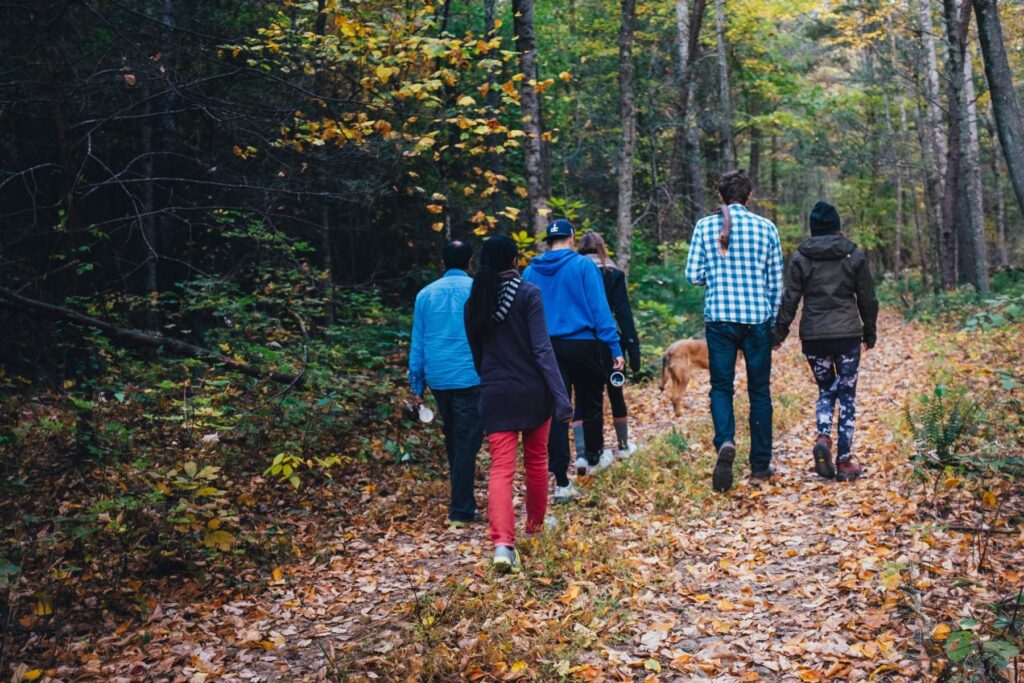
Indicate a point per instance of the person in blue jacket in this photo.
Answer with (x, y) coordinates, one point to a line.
(440, 358)
(580, 324)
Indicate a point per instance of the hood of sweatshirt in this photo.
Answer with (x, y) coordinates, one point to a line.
(550, 262)
(827, 247)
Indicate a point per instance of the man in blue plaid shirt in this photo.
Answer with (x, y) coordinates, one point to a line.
(737, 256)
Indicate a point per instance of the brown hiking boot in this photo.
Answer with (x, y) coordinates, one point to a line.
(823, 458)
(848, 470)
(721, 478)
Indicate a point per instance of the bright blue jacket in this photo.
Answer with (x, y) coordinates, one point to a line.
(439, 355)
(575, 305)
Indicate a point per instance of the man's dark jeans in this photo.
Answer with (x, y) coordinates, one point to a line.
(463, 434)
(579, 361)
(724, 340)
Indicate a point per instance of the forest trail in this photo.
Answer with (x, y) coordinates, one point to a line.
(792, 581)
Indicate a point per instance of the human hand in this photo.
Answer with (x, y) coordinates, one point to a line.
(619, 363)
(776, 347)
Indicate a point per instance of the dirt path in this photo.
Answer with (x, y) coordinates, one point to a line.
(644, 578)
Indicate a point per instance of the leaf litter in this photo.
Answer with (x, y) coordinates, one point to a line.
(649, 577)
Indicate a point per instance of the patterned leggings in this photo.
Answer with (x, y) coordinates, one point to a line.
(837, 383)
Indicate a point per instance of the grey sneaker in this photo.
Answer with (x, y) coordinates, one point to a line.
(506, 560)
(563, 494)
(582, 466)
(605, 461)
(721, 479)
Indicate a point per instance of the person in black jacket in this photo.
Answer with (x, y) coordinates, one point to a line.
(831, 274)
(593, 246)
(521, 389)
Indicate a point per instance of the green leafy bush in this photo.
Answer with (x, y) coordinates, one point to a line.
(942, 422)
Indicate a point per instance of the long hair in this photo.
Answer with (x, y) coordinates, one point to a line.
(498, 254)
(593, 243)
(735, 188)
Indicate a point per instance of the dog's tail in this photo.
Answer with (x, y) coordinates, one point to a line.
(664, 371)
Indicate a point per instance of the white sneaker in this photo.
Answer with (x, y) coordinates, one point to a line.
(563, 494)
(582, 466)
(607, 458)
(623, 454)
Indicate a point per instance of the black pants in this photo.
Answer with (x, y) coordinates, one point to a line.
(463, 434)
(616, 396)
(579, 361)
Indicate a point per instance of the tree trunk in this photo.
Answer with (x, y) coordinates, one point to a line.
(975, 263)
(956, 30)
(627, 112)
(930, 260)
(533, 151)
(671, 216)
(931, 89)
(725, 100)
(696, 171)
(148, 340)
(898, 157)
(1005, 106)
(773, 178)
(1000, 201)
(494, 165)
(754, 166)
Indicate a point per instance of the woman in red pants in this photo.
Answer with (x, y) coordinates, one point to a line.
(520, 389)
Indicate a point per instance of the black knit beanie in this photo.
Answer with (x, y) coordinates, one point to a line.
(824, 219)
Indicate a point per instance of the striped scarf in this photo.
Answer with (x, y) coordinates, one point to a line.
(505, 297)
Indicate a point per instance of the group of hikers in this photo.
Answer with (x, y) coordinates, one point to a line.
(503, 353)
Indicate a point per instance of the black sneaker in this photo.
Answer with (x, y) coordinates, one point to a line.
(823, 458)
(721, 478)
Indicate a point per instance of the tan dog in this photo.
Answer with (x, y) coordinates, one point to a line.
(678, 364)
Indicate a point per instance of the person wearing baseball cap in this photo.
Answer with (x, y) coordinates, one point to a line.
(580, 323)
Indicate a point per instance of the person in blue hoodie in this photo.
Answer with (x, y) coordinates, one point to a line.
(580, 324)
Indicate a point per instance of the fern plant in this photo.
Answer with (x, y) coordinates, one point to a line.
(942, 422)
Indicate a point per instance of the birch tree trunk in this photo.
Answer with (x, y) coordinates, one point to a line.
(725, 100)
(1005, 106)
(671, 215)
(533, 151)
(931, 83)
(627, 111)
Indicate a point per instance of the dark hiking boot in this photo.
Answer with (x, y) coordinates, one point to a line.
(823, 458)
(721, 478)
(764, 475)
(848, 470)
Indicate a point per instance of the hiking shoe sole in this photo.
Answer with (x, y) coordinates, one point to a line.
(823, 461)
(721, 479)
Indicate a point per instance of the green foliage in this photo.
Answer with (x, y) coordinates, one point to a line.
(665, 306)
(942, 422)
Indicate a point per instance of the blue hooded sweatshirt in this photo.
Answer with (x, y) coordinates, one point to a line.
(575, 305)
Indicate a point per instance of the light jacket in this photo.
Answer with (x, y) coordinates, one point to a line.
(439, 355)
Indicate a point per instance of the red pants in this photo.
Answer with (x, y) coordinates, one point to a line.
(499, 488)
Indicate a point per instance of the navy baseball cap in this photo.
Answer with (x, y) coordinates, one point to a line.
(560, 228)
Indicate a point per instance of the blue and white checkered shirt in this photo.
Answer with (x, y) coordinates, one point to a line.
(744, 285)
